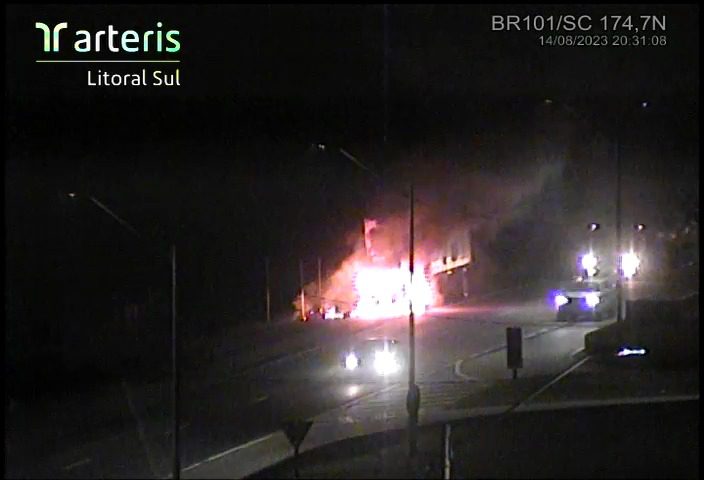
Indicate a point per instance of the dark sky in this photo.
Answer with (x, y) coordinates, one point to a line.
(223, 163)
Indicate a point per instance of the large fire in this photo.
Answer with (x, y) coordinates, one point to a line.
(374, 282)
(385, 292)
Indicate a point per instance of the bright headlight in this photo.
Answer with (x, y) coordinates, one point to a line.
(589, 262)
(560, 300)
(351, 361)
(629, 264)
(385, 362)
(592, 299)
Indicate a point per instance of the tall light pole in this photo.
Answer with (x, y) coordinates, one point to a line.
(175, 373)
(619, 267)
(413, 395)
(617, 148)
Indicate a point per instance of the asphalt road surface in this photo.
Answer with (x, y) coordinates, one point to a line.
(459, 351)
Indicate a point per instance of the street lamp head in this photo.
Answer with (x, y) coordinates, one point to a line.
(644, 104)
(593, 227)
(639, 227)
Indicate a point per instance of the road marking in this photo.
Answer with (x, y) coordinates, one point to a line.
(366, 396)
(550, 384)
(259, 399)
(458, 363)
(543, 331)
(458, 372)
(257, 365)
(232, 450)
(577, 352)
(77, 464)
(607, 402)
(140, 429)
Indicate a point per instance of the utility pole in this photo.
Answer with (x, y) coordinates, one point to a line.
(386, 73)
(413, 395)
(175, 374)
(268, 294)
(619, 282)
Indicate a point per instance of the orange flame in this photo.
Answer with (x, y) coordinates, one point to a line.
(386, 292)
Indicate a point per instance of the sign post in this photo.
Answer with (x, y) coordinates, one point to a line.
(296, 431)
(514, 349)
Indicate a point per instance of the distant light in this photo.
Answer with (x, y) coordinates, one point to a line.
(592, 299)
(385, 362)
(351, 361)
(560, 300)
(589, 263)
(593, 226)
(352, 390)
(548, 101)
(645, 104)
(72, 195)
(625, 352)
(629, 264)
(640, 227)
(321, 146)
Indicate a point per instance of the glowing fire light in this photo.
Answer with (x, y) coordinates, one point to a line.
(384, 292)
(333, 314)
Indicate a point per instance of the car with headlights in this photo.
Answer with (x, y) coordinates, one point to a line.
(586, 300)
(373, 357)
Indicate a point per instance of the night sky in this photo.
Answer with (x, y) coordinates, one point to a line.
(224, 166)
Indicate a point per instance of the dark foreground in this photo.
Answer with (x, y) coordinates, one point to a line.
(636, 422)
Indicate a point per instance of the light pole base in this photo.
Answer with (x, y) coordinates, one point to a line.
(412, 407)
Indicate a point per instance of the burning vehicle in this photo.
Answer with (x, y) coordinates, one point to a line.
(374, 282)
(386, 292)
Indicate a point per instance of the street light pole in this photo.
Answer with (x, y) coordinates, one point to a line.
(176, 468)
(619, 266)
(619, 282)
(413, 396)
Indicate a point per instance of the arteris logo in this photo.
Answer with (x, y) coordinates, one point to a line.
(129, 40)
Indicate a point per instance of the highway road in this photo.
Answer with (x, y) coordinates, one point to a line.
(460, 352)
